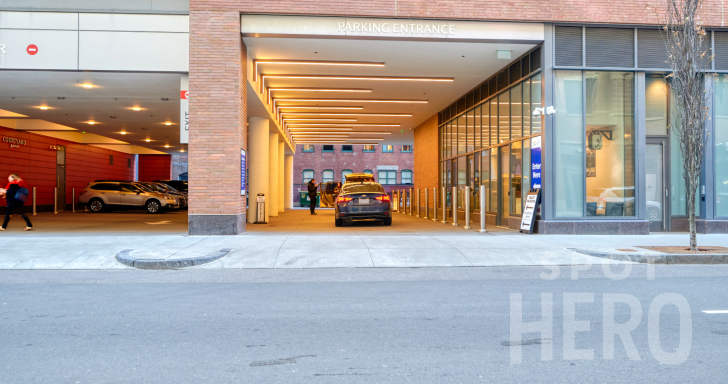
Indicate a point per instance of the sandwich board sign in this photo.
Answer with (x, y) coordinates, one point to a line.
(529, 213)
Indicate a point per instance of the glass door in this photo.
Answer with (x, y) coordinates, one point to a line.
(656, 185)
(504, 187)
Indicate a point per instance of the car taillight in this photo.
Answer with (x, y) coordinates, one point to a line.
(343, 199)
(383, 198)
(82, 192)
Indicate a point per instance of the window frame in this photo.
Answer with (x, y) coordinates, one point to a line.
(323, 176)
(350, 150)
(364, 149)
(312, 150)
(387, 179)
(343, 176)
(401, 176)
(305, 179)
(401, 148)
(387, 148)
(323, 148)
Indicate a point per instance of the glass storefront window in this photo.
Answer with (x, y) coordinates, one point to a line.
(516, 112)
(526, 170)
(656, 106)
(453, 139)
(477, 128)
(485, 127)
(493, 121)
(493, 205)
(526, 108)
(461, 134)
(504, 119)
(535, 102)
(516, 172)
(720, 97)
(610, 173)
(568, 145)
(470, 131)
(462, 178)
(485, 158)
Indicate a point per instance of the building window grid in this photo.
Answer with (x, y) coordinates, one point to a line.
(308, 174)
(308, 148)
(327, 175)
(368, 148)
(387, 177)
(406, 148)
(406, 176)
(387, 148)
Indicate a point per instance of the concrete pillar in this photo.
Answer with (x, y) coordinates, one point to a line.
(288, 190)
(272, 197)
(281, 176)
(258, 160)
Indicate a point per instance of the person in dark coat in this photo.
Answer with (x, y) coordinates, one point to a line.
(312, 191)
(10, 192)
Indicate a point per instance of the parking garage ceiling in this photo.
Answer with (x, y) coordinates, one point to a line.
(385, 88)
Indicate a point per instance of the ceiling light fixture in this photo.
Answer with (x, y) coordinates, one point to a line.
(345, 114)
(166, 146)
(123, 132)
(91, 122)
(322, 129)
(87, 86)
(136, 109)
(44, 108)
(343, 125)
(351, 100)
(339, 77)
(321, 119)
(148, 140)
(305, 89)
(167, 123)
(312, 62)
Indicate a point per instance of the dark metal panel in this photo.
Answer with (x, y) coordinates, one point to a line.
(652, 52)
(568, 45)
(721, 50)
(610, 47)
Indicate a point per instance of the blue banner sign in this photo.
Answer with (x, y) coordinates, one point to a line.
(536, 162)
(242, 173)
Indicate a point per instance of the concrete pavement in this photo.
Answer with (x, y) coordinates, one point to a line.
(296, 239)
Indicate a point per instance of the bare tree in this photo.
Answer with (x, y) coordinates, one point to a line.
(689, 57)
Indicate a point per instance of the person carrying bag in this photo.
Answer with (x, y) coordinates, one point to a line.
(16, 194)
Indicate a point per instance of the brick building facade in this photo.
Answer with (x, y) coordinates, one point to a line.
(357, 160)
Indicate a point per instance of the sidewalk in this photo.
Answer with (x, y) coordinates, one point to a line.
(296, 239)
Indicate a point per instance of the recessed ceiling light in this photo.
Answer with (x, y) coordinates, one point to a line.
(166, 146)
(44, 108)
(92, 122)
(123, 132)
(167, 123)
(147, 140)
(181, 150)
(136, 109)
(88, 86)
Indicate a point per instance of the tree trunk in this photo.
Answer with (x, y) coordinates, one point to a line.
(690, 195)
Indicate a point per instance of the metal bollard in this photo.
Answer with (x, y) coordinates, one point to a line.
(55, 201)
(467, 207)
(482, 209)
(434, 204)
(73, 200)
(444, 206)
(418, 202)
(404, 200)
(427, 205)
(454, 201)
(34, 211)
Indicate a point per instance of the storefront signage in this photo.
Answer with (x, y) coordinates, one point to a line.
(529, 212)
(54, 147)
(14, 143)
(536, 162)
(242, 173)
(184, 110)
(2, 48)
(422, 29)
(32, 49)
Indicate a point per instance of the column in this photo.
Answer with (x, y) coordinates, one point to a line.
(281, 176)
(217, 123)
(288, 190)
(258, 160)
(271, 199)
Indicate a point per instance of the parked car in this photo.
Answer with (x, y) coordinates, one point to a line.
(358, 178)
(180, 185)
(181, 198)
(101, 196)
(363, 201)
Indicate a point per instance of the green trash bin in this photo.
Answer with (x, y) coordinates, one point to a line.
(306, 202)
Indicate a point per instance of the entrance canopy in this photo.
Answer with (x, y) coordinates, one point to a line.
(369, 81)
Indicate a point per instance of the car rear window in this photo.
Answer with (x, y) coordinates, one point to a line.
(106, 187)
(363, 188)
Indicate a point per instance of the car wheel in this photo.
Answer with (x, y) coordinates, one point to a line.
(339, 222)
(153, 206)
(96, 205)
(653, 214)
(388, 221)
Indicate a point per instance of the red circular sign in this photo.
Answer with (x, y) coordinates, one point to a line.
(32, 49)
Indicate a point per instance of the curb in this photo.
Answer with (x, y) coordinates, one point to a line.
(124, 258)
(659, 258)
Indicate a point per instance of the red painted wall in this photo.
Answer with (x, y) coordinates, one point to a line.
(35, 162)
(155, 167)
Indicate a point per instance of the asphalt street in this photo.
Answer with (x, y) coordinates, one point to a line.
(435, 325)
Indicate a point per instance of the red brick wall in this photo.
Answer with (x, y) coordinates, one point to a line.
(218, 112)
(35, 162)
(155, 167)
(597, 11)
(426, 156)
(357, 161)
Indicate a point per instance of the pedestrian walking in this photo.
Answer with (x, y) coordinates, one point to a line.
(312, 190)
(15, 193)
